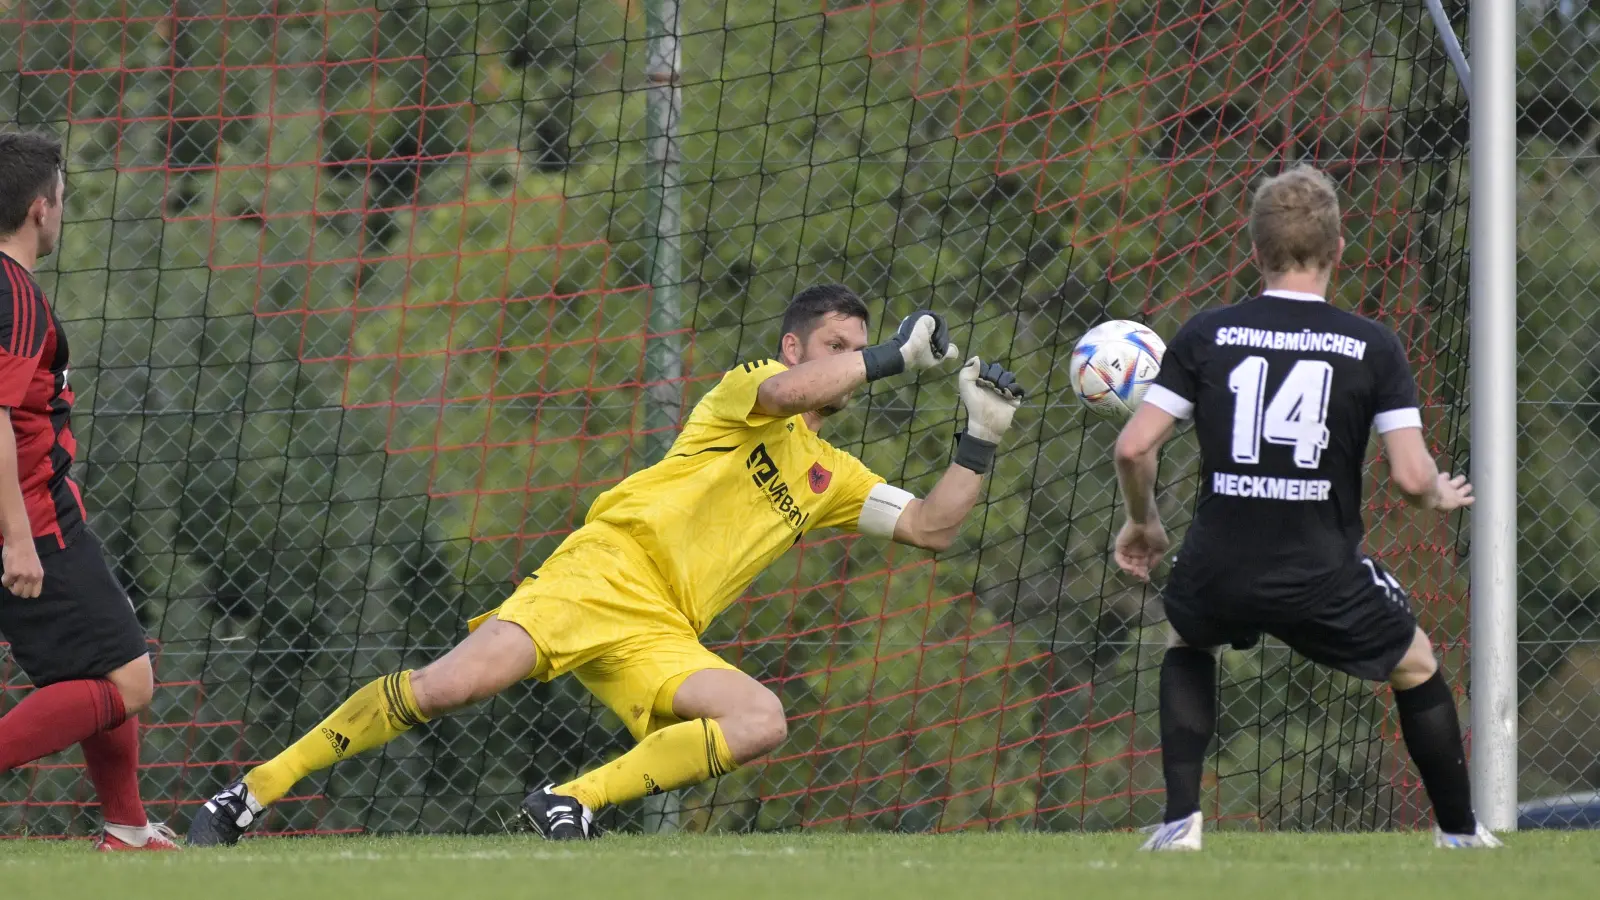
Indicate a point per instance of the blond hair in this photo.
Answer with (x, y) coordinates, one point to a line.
(1294, 221)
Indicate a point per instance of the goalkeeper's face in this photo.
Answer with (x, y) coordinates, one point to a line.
(835, 334)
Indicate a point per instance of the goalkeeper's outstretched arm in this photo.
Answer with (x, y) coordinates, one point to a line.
(991, 396)
(810, 385)
(921, 341)
(933, 522)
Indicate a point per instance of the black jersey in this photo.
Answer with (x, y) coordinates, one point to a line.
(1284, 390)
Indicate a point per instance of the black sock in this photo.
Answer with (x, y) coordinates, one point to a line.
(1188, 720)
(1433, 737)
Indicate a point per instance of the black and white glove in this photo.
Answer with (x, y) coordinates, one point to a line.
(991, 395)
(921, 342)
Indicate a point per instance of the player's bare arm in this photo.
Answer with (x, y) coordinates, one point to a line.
(817, 384)
(991, 396)
(1417, 476)
(24, 574)
(933, 522)
(811, 385)
(1143, 541)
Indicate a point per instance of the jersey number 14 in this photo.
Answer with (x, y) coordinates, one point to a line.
(1296, 417)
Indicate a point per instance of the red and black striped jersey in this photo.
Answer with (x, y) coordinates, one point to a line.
(33, 386)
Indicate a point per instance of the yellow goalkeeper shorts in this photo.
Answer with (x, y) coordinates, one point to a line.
(598, 608)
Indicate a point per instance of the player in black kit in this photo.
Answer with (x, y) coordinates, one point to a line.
(1284, 390)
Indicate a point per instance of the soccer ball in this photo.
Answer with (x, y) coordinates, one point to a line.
(1113, 365)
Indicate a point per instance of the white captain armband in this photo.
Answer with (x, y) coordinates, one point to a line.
(1169, 400)
(1408, 417)
(882, 510)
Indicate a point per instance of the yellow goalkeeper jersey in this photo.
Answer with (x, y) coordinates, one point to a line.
(736, 490)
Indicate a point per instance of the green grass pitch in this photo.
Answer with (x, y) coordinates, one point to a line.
(817, 866)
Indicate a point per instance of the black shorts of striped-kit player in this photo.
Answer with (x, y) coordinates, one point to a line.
(82, 624)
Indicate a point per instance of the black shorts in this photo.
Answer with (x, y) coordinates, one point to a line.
(1362, 629)
(82, 624)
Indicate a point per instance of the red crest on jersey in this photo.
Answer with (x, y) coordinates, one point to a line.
(819, 478)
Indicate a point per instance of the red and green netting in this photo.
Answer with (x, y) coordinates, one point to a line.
(360, 298)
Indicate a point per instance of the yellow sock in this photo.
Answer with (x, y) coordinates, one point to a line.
(373, 716)
(674, 757)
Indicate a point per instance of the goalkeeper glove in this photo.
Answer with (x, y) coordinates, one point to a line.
(991, 395)
(921, 342)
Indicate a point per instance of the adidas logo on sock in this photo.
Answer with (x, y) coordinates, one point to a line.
(340, 742)
(651, 788)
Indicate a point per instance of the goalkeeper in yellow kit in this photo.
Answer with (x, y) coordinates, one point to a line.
(622, 602)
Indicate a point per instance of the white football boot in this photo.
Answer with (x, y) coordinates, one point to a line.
(1183, 834)
(1482, 839)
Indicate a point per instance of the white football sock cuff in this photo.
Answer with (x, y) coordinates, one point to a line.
(132, 835)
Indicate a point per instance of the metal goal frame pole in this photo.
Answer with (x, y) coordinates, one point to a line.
(1492, 115)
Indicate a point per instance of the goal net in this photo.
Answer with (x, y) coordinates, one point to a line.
(369, 301)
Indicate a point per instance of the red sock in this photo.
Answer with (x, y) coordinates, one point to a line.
(53, 718)
(113, 761)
